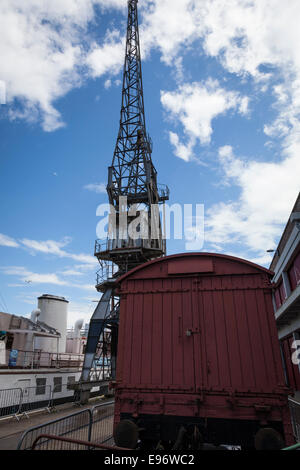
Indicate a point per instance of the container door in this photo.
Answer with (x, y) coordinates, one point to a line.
(178, 361)
(217, 349)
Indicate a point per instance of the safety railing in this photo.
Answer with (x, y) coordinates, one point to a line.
(295, 417)
(35, 398)
(89, 425)
(40, 359)
(10, 402)
(103, 418)
(76, 426)
(20, 402)
(293, 447)
(50, 442)
(61, 393)
(116, 243)
(106, 272)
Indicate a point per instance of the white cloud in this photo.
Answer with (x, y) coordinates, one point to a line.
(8, 241)
(55, 248)
(168, 25)
(46, 40)
(99, 188)
(108, 57)
(182, 151)
(254, 221)
(49, 41)
(195, 105)
(26, 275)
(256, 39)
(71, 272)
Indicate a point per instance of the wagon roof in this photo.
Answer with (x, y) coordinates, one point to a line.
(193, 255)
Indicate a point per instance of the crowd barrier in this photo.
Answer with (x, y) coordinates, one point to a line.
(295, 415)
(18, 402)
(95, 422)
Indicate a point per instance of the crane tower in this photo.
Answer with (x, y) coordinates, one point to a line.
(135, 231)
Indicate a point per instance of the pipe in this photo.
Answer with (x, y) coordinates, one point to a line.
(77, 327)
(34, 314)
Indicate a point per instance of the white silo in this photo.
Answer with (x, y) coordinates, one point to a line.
(54, 312)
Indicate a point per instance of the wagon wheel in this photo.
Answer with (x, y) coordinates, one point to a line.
(268, 439)
(126, 434)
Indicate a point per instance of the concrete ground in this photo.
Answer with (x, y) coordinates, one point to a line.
(11, 430)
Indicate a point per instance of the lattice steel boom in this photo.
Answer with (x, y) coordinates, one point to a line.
(132, 189)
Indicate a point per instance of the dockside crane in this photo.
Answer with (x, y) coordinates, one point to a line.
(134, 196)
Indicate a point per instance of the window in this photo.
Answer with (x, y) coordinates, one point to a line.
(9, 340)
(71, 380)
(40, 387)
(294, 273)
(57, 384)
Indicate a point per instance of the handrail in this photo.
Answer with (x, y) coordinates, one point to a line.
(41, 359)
(33, 428)
(293, 447)
(294, 401)
(76, 441)
(89, 423)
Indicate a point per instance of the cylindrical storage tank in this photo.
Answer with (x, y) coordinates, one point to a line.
(54, 312)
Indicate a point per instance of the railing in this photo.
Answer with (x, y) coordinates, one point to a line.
(35, 398)
(76, 426)
(96, 422)
(103, 417)
(106, 271)
(60, 394)
(40, 359)
(86, 429)
(51, 442)
(10, 402)
(295, 415)
(163, 192)
(110, 244)
(19, 402)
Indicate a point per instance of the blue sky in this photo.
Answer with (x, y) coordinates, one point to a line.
(222, 102)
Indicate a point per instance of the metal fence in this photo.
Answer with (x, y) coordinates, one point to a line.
(65, 443)
(61, 393)
(295, 415)
(10, 401)
(76, 426)
(90, 425)
(103, 420)
(19, 402)
(35, 398)
(40, 359)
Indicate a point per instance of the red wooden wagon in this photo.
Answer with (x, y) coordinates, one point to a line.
(198, 354)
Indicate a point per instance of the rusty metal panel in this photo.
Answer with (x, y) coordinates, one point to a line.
(222, 265)
(190, 266)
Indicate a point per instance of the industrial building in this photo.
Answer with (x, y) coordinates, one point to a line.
(39, 357)
(286, 297)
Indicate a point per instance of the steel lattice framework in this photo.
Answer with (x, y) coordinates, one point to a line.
(132, 175)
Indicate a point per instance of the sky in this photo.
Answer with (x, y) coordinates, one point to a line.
(222, 103)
